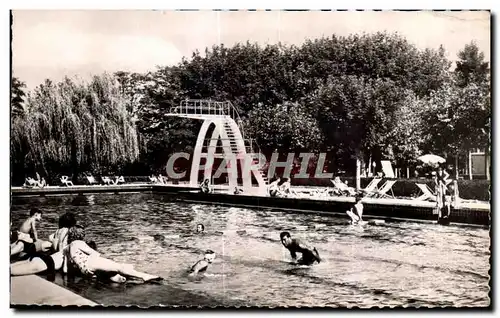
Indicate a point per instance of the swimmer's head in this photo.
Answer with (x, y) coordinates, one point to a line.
(76, 233)
(37, 213)
(67, 220)
(200, 228)
(209, 256)
(286, 238)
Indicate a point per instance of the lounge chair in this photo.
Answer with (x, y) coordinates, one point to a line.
(91, 180)
(119, 180)
(428, 193)
(342, 188)
(387, 168)
(153, 179)
(107, 180)
(66, 182)
(372, 186)
(382, 192)
(162, 179)
(30, 183)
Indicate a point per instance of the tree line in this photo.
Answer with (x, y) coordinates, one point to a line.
(369, 96)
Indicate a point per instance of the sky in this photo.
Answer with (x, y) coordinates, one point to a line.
(54, 44)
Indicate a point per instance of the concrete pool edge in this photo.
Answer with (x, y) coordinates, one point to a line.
(465, 213)
(32, 290)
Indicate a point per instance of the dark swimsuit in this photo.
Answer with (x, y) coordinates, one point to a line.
(49, 262)
(308, 257)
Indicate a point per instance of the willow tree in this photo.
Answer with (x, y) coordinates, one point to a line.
(73, 126)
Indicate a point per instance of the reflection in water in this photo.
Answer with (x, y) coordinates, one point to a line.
(388, 265)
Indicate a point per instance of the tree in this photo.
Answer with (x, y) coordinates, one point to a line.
(17, 97)
(471, 67)
(458, 118)
(408, 136)
(72, 127)
(286, 127)
(356, 115)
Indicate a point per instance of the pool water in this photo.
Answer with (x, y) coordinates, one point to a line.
(394, 264)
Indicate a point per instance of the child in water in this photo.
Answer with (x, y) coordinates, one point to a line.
(202, 265)
(356, 212)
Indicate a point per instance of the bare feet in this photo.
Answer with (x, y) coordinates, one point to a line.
(118, 279)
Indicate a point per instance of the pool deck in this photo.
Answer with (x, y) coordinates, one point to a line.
(466, 211)
(34, 290)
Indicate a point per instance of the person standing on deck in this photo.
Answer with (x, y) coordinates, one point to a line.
(441, 203)
(442, 178)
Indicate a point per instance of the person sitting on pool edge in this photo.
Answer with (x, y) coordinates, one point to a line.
(205, 186)
(29, 225)
(273, 188)
(202, 265)
(356, 212)
(309, 254)
(59, 238)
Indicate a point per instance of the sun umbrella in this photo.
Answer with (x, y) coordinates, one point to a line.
(431, 159)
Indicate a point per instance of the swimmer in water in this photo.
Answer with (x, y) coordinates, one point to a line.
(200, 228)
(309, 254)
(202, 265)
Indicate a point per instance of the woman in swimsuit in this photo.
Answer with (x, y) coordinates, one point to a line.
(59, 239)
(39, 263)
(88, 261)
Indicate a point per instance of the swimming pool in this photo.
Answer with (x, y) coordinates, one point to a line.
(403, 263)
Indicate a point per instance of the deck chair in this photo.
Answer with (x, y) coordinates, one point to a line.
(118, 180)
(91, 180)
(382, 191)
(428, 193)
(372, 185)
(387, 168)
(31, 183)
(153, 179)
(66, 182)
(107, 180)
